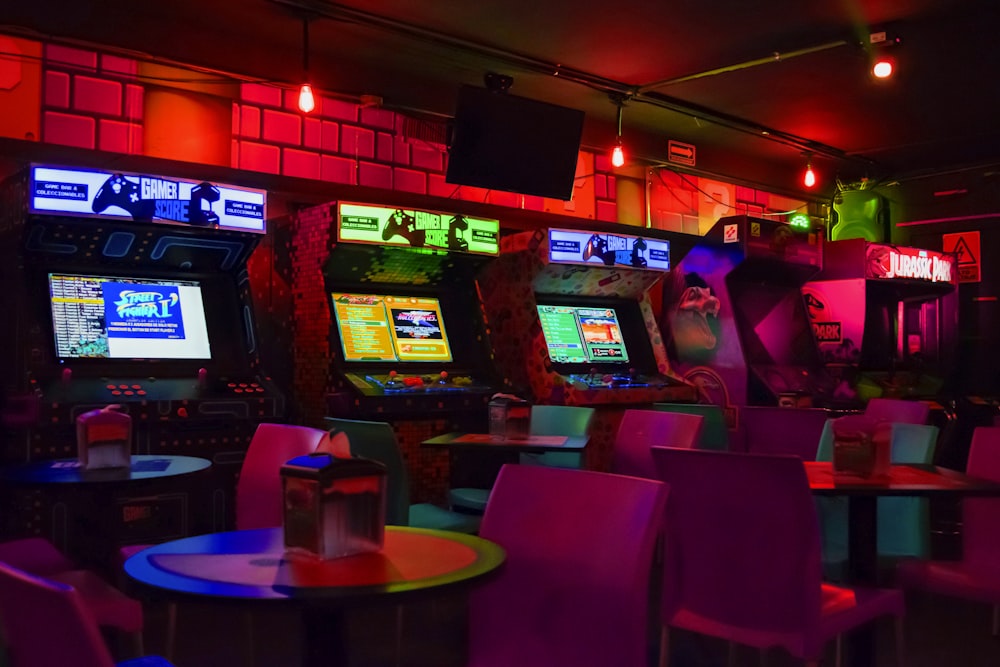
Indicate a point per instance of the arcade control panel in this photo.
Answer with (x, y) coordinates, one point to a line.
(70, 388)
(624, 380)
(391, 383)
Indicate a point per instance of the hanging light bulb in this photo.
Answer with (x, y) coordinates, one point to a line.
(307, 102)
(809, 177)
(618, 153)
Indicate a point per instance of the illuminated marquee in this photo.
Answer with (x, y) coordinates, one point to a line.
(898, 263)
(637, 252)
(96, 193)
(413, 228)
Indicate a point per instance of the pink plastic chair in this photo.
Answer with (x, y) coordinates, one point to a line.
(742, 557)
(46, 623)
(898, 410)
(977, 575)
(572, 591)
(111, 608)
(641, 429)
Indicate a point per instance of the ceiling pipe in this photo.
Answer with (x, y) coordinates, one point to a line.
(644, 94)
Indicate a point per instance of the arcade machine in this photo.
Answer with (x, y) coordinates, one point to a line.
(131, 289)
(573, 324)
(404, 338)
(736, 321)
(886, 320)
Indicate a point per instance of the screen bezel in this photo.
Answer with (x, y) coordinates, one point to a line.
(225, 323)
(633, 328)
(465, 335)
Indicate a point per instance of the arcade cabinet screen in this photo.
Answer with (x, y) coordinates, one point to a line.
(378, 327)
(101, 317)
(582, 334)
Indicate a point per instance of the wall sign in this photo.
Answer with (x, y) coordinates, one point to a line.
(886, 262)
(968, 251)
(637, 252)
(414, 228)
(96, 193)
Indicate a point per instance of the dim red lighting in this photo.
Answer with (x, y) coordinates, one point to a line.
(882, 68)
(809, 178)
(618, 155)
(306, 100)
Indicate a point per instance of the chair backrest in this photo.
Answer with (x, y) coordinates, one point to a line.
(258, 490)
(377, 441)
(774, 430)
(742, 546)
(904, 522)
(573, 590)
(642, 429)
(980, 516)
(46, 623)
(571, 420)
(824, 450)
(898, 410)
(714, 433)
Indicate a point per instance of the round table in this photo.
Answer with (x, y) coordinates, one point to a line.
(252, 565)
(69, 471)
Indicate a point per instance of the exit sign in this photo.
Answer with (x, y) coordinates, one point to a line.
(680, 153)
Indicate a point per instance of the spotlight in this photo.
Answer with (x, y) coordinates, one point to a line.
(883, 65)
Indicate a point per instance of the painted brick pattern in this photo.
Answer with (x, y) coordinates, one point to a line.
(91, 100)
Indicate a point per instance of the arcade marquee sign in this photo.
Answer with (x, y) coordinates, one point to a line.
(436, 230)
(886, 262)
(577, 247)
(96, 193)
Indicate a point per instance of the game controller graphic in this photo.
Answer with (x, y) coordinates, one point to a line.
(401, 224)
(123, 193)
(456, 230)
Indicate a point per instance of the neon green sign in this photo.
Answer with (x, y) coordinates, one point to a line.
(800, 221)
(414, 228)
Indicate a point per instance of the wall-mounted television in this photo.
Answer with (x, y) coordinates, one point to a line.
(504, 142)
(107, 317)
(377, 328)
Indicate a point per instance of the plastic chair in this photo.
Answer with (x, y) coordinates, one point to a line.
(977, 575)
(110, 607)
(903, 522)
(898, 410)
(714, 433)
(640, 430)
(569, 420)
(571, 592)
(774, 430)
(742, 557)
(377, 440)
(47, 623)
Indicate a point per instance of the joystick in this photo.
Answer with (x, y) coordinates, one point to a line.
(444, 378)
(202, 378)
(67, 375)
(392, 381)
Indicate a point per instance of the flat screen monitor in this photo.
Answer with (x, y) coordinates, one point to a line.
(577, 334)
(391, 328)
(504, 142)
(104, 317)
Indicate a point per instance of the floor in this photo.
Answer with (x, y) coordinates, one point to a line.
(939, 632)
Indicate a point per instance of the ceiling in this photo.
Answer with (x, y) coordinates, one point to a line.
(756, 87)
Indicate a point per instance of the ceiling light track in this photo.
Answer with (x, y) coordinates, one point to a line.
(646, 93)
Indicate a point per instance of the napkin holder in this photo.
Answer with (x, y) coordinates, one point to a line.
(862, 446)
(333, 507)
(104, 438)
(510, 417)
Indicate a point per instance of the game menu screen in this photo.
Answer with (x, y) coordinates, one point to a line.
(582, 334)
(385, 328)
(104, 317)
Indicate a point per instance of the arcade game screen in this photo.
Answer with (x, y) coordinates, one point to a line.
(582, 334)
(391, 328)
(104, 317)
